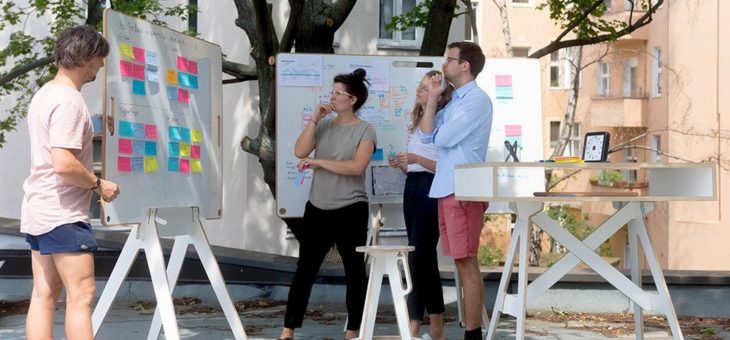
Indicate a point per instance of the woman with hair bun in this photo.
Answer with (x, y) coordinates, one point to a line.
(337, 210)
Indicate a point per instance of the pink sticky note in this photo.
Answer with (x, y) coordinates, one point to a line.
(150, 131)
(125, 146)
(182, 63)
(503, 80)
(512, 130)
(124, 164)
(193, 66)
(195, 151)
(138, 72)
(183, 96)
(126, 68)
(138, 54)
(185, 166)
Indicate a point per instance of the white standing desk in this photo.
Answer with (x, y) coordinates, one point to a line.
(514, 183)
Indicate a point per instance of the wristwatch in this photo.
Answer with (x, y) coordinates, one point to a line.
(98, 183)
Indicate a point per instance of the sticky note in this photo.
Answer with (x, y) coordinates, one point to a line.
(126, 50)
(152, 76)
(196, 166)
(197, 136)
(173, 164)
(138, 72)
(185, 134)
(139, 130)
(193, 82)
(512, 130)
(378, 155)
(138, 53)
(183, 79)
(150, 131)
(184, 150)
(138, 87)
(150, 164)
(138, 147)
(124, 164)
(185, 166)
(171, 76)
(182, 63)
(195, 151)
(173, 149)
(125, 146)
(125, 129)
(137, 164)
(172, 93)
(150, 148)
(193, 66)
(183, 96)
(503, 80)
(151, 58)
(504, 92)
(126, 68)
(175, 133)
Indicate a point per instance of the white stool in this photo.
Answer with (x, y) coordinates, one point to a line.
(385, 261)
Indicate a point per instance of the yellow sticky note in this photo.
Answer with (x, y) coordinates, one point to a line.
(171, 76)
(127, 51)
(197, 136)
(150, 164)
(184, 150)
(196, 165)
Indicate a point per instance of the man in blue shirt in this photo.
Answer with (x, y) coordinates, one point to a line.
(460, 131)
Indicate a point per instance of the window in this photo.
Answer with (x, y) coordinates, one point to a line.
(630, 78)
(554, 135)
(656, 145)
(556, 81)
(520, 52)
(568, 69)
(468, 32)
(608, 4)
(522, 2)
(573, 148)
(656, 86)
(630, 157)
(408, 38)
(604, 79)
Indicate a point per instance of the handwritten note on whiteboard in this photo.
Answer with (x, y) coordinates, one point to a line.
(300, 70)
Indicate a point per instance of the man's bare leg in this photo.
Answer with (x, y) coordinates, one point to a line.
(473, 285)
(77, 273)
(46, 288)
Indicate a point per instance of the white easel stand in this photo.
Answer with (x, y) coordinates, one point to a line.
(632, 213)
(385, 261)
(147, 237)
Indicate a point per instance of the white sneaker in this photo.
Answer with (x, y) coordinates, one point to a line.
(426, 336)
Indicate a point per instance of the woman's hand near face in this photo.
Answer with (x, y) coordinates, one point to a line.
(321, 111)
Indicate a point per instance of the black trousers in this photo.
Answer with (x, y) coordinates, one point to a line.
(421, 217)
(347, 228)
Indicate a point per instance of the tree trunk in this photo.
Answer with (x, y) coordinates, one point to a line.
(436, 34)
(506, 33)
(575, 55)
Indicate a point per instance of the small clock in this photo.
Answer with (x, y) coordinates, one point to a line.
(595, 146)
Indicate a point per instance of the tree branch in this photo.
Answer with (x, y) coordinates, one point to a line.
(295, 12)
(23, 69)
(556, 45)
(577, 21)
(240, 71)
(554, 184)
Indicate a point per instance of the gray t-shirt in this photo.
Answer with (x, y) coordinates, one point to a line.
(330, 190)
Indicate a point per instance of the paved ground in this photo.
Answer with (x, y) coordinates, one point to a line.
(262, 320)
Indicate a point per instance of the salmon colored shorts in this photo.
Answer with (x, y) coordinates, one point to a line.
(460, 225)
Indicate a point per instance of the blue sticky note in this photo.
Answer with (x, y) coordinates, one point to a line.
(125, 129)
(150, 148)
(138, 147)
(173, 149)
(193, 81)
(172, 93)
(152, 76)
(138, 87)
(137, 164)
(184, 79)
(175, 133)
(504, 92)
(138, 129)
(185, 134)
(173, 164)
(151, 58)
(378, 155)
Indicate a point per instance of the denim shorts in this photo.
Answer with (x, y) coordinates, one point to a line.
(67, 238)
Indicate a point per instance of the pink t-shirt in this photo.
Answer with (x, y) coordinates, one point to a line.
(57, 118)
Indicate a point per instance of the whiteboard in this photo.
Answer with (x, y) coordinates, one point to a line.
(514, 87)
(305, 80)
(163, 90)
